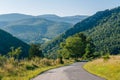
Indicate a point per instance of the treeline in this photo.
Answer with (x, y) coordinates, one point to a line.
(77, 46)
(106, 35)
(7, 41)
(103, 28)
(12, 67)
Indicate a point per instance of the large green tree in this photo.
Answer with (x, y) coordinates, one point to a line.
(77, 46)
(35, 51)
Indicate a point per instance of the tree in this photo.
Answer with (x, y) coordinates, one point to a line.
(73, 46)
(15, 52)
(35, 50)
(77, 46)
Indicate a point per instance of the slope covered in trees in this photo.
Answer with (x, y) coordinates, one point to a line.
(106, 36)
(103, 28)
(13, 17)
(52, 17)
(67, 19)
(36, 30)
(7, 41)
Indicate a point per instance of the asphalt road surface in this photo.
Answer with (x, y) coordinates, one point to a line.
(71, 72)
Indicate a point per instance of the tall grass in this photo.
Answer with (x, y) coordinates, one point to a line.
(109, 69)
(13, 69)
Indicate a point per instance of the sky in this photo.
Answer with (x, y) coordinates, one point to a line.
(58, 7)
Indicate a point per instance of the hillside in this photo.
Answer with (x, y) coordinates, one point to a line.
(67, 19)
(36, 30)
(3, 23)
(17, 16)
(7, 41)
(103, 27)
(13, 17)
(106, 35)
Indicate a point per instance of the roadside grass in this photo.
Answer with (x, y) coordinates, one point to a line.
(30, 74)
(109, 69)
(12, 69)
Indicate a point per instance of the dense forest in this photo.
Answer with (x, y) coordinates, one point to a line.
(106, 36)
(7, 41)
(103, 27)
(36, 30)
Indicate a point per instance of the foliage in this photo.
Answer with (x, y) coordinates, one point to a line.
(106, 35)
(60, 60)
(106, 57)
(110, 70)
(77, 46)
(35, 51)
(25, 69)
(7, 41)
(15, 52)
(103, 27)
(36, 30)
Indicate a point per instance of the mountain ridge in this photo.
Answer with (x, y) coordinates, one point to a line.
(84, 26)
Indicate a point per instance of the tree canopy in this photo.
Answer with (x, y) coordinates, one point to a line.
(77, 46)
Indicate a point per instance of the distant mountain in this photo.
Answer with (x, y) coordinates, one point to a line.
(36, 30)
(52, 17)
(3, 23)
(13, 17)
(103, 28)
(7, 41)
(68, 19)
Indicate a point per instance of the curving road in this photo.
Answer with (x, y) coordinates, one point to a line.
(72, 72)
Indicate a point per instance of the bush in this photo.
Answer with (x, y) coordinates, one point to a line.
(46, 62)
(29, 67)
(60, 61)
(106, 57)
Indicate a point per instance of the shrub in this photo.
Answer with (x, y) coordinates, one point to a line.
(1, 76)
(106, 57)
(31, 66)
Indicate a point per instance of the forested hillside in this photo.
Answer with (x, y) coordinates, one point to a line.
(103, 28)
(36, 30)
(106, 36)
(7, 41)
(14, 17)
(67, 19)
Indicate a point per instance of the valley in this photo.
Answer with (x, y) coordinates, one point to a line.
(47, 46)
(34, 29)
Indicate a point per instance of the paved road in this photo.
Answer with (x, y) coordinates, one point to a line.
(72, 72)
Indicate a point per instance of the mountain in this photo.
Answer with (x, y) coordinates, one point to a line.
(36, 30)
(52, 17)
(7, 41)
(106, 35)
(67, 19)
(3, 23)
(13, 17)
(103, 27)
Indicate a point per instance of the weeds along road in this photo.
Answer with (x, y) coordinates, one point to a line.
(71, 72)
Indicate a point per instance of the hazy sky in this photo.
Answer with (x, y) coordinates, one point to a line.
(58, 7)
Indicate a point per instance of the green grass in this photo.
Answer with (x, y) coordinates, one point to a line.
(109, 70)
